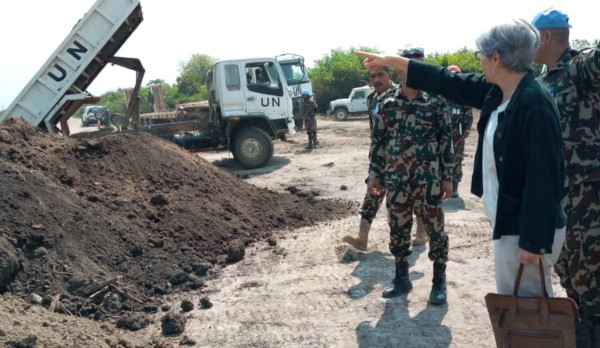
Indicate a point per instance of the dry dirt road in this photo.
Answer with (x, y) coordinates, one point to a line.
(311, 296)
(314, 291)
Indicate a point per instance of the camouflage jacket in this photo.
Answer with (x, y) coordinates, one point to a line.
(411, 141)
(574, 82)
(308, 108)
(462, 119)
(373, 98)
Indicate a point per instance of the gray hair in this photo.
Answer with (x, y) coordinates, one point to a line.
(516, 42)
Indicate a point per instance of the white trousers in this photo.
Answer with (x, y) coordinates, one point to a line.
(506, 262)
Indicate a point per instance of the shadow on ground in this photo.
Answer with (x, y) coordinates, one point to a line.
(396, 327)
(232, 166)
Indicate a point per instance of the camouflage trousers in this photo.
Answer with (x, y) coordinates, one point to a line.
(425, 200)
(371, 204)
(310, 124)
(578, 265)
(459, 155)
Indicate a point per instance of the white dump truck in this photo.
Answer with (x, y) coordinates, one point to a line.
(244, 114)
(58, 89)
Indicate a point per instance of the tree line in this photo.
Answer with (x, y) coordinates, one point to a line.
(333, 77)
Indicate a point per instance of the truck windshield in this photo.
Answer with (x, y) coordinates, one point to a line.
(295, 73)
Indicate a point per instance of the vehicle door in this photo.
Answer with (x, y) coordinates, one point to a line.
(358, 101)
(232, 98)
(266, 91)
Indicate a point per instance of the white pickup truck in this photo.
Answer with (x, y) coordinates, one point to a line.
(355, 104)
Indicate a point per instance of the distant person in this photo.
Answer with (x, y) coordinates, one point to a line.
(462, 120)
(519, 166)
(381, 80)
(181, 114)
(412, 158)
(308, 108)
(260, 76)
(573, 79)
(249, 77)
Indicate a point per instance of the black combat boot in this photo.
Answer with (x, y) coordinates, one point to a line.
(437, 296)
(310, 142)
(584, 330)
(455, 189)
(402, 283)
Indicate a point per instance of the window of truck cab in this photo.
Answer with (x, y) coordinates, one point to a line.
(264, 78)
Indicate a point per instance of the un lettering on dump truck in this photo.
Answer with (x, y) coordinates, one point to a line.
(76, 62)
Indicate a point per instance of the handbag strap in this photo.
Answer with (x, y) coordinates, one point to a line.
(520, 273)
(544, 307)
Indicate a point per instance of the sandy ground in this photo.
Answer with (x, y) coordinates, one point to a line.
(312, 290)
(309, 297)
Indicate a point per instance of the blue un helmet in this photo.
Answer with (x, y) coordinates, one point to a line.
(306, 93)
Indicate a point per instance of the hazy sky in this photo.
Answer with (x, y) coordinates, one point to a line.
(174, 30)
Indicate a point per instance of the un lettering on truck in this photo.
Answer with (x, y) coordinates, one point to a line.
(77, 61)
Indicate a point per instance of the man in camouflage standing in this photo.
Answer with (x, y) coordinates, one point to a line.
(412, 158)
(573, 78)
(381, 80)
(462, 120)
(308, 108)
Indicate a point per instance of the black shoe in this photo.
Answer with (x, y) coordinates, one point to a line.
(438, 294)
(401, 286)
(402, 283)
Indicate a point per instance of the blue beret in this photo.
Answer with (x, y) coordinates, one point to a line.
(550, 19)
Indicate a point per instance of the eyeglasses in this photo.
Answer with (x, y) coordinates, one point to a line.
(478, 55)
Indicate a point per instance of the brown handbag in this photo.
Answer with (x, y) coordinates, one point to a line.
(532, 322)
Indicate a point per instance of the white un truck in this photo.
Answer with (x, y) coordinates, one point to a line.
(249, 103)
(58, 89)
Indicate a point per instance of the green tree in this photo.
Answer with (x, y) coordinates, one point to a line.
(464, 58)
(114, 101)
(334, 75)
(192, 78)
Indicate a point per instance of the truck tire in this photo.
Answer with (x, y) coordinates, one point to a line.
(299, 124)
(340, 114)
(252, 147)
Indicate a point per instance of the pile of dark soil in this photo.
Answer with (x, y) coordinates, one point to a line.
(104, 225)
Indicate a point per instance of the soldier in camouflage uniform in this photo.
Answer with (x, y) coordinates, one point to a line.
(462, 120)
(308, 108)
(381, 80)
(573, 78)
(412, 158)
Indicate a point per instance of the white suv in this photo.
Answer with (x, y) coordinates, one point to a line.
(355, 104)
(91, 114)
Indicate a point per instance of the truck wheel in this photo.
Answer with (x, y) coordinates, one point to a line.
(340, 114)
(252, 147)
(299, 124)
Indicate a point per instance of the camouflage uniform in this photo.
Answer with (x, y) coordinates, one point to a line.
(412, 152)
(308, 108)
(371, 203)
(462, 120)
(574, 81)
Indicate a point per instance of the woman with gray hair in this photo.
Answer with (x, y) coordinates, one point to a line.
(518, 167)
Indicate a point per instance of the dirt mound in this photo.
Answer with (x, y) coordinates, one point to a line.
(110, 224)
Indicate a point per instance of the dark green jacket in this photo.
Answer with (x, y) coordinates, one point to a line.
(527, 151)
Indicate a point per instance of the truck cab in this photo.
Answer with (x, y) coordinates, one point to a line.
(249, 106)
(355, 104)
(297, 80)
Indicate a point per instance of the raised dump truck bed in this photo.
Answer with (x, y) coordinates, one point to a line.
(58, 89)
